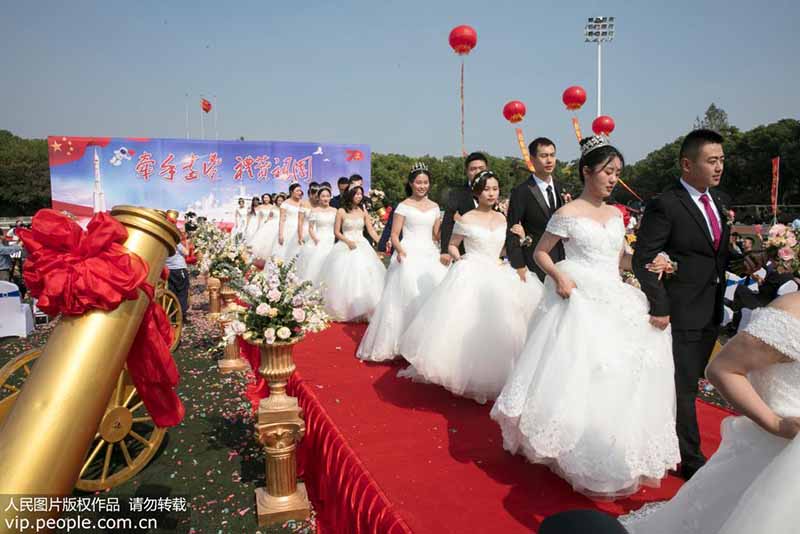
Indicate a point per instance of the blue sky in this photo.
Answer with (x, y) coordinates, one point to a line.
(381, 72)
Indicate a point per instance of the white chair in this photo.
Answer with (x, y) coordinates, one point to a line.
(16, 318)
(788, 287)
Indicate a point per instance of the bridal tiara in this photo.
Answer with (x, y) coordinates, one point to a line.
(419, 166)
(593, 143)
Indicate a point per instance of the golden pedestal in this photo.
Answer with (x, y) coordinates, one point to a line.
(214, 307)
(280, 427)
(44, 439)
(277, 366)
(230, 362)
(284, 498)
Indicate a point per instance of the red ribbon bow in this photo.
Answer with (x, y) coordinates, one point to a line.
(71, 272)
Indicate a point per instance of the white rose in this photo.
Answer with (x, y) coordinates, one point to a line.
(274, 295)
(238, 327)
(284, 333)
(269, 336)
(299, 314)
(262, 309)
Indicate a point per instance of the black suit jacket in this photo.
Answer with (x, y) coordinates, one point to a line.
(336, 201)
(672, 223)
(459, 201)
(528, 207)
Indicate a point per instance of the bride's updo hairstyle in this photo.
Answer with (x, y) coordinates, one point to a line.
(596, 152)
(416, 170)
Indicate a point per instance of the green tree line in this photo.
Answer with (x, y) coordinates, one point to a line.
(25, 177)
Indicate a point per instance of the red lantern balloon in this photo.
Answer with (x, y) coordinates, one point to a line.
(514, 111)
(463, 39)
(574, 97)
(603, 125)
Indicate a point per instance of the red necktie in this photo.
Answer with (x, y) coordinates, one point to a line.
(716, 231)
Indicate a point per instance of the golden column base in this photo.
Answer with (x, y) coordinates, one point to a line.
(231, 362)
(214, 307)
(284, 498)
(277, 366)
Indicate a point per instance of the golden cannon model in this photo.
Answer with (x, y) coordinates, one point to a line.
(126, 438)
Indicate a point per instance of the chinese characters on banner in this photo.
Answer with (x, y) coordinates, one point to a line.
(189, 175)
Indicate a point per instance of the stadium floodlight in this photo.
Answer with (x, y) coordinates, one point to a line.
(599, 30)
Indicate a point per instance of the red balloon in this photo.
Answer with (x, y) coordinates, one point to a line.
(463, 39)
(574, 97)
(603, 125)
(514, 111)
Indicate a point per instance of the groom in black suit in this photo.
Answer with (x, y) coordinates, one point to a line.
(531, 205)
(689, 222)
(460, 201)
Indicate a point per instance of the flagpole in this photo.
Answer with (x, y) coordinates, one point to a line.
(186, 108)
(216, 110)
(202, 127)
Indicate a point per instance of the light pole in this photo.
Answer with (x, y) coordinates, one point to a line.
(599, 30)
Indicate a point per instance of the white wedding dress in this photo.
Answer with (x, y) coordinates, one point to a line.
(592, 395)
(291, 246)
(266, 237)
(408, 284)
(750, 484)
(471, 329)
(313, 255)
(240, 221)
(252, 226)
(352, 280)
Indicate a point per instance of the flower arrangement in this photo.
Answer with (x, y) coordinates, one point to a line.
(378, 212)
(782, 245)
(280, 307)
(208, 239)
(229, 259)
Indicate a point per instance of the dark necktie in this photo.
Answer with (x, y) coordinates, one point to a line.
(551, 199)
(716, 231)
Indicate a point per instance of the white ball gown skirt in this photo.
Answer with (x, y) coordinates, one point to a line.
(592, 394)
(291, 246)
(706, 502)
(313, 256)
(352, 280)
(471, 329)
(265, 239)
(408, 285)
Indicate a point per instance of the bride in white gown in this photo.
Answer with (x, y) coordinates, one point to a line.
(320, 244)
(288, 243)
(750, 484)
(592, 394)
(414, 272)
(264, 239)
(353, 275)
(473, 326)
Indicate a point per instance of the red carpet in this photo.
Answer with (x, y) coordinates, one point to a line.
(387, 455)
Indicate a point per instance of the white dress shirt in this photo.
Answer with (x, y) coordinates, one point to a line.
(542, 185)
(695, 194)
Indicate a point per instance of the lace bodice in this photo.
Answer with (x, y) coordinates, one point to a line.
(481, 241)
(418, 225)
(589, 242)
(291, 210)
(323, 220)
(778, 384)
(352, 227)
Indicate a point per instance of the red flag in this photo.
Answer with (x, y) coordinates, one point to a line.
(205, 105)
(68, 149)
(776, 166)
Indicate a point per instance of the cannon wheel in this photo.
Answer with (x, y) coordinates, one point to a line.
(125, 442)
(172, 307)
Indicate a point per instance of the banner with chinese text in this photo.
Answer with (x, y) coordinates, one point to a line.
(207, 177)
